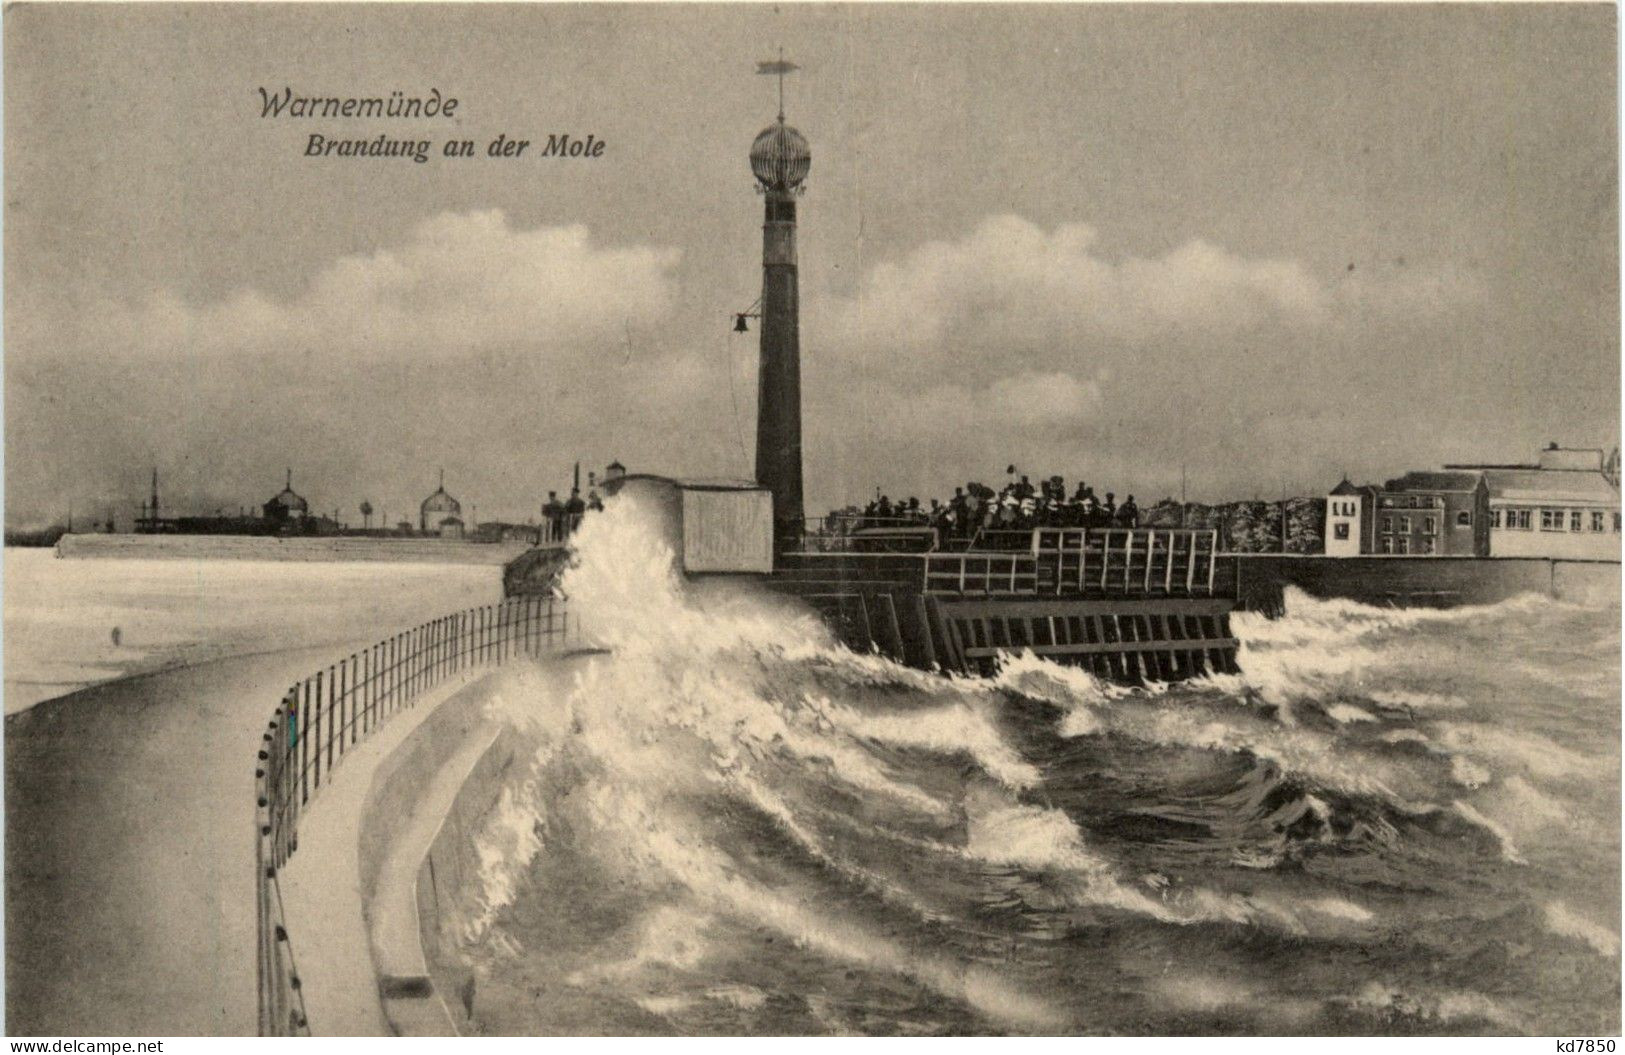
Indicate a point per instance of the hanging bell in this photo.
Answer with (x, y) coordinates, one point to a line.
(739, 324)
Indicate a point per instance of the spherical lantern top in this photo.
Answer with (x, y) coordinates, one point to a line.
(780, 158)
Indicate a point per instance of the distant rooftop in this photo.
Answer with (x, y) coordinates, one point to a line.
(1428, 480)
(693, 483)
(1552, 459)
(1547, 485)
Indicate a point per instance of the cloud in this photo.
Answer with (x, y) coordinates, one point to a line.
(501, 353)
(1010, 287)
(1019, 343)
(459, 283)
(1027, 400)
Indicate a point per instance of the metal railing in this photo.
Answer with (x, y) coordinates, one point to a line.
(331, 712)
(981, 573)
(1105, 561)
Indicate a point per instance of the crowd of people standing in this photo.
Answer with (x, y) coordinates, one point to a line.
(1019, 505)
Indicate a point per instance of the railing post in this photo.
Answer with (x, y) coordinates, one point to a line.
(323, 720)
(332, 715)
(313, 718)
(262, 914)
(304, 744)
(341, 681)
(355, 698)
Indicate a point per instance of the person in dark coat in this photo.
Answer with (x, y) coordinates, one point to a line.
(573, 510)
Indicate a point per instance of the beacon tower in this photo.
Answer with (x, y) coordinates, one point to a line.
(780, 158)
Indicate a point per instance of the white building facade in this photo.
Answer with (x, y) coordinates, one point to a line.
(1348, 520)
(1566, 505)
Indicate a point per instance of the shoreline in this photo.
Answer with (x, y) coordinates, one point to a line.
(74, 624)
(337, 549)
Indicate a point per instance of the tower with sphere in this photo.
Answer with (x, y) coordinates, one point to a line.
(780, 159)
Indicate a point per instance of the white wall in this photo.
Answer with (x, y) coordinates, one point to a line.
(727, 531)
(1585, 544)
(1338, 511)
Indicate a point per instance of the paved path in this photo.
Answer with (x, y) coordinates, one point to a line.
(130, 850)
(321, 884)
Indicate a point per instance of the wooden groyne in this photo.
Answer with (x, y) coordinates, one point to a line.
(1129, 605)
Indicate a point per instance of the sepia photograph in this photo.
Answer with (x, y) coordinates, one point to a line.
(811, 520)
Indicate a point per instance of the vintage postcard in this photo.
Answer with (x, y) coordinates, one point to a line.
(812, 520)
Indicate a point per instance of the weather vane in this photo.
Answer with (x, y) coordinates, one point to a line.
(778, 67)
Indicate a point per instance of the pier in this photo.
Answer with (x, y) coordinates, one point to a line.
(1128, 604)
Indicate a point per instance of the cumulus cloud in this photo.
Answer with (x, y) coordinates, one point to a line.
(458, 283)
(500, 352)
(1014, 286)
(1021, 343)
(1028, 400)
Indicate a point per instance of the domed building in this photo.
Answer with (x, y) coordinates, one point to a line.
(441, 514)
(286, 507)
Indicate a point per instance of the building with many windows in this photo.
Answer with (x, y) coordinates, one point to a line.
(1434, 514)
(1564, 505)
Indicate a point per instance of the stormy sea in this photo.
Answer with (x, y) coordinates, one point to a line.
(1391, 822)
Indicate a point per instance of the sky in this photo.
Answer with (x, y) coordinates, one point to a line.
(1258, 248)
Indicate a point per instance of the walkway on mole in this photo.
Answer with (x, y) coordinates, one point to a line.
(130, 850)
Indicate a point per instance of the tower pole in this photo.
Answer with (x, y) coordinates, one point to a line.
(780, 160)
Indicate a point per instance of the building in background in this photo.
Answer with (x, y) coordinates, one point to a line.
(286, 509)
(1429, 513)
(441, 514)
(1351, 520)
(1565, 504)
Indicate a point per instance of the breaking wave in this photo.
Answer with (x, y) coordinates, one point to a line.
(731, 824)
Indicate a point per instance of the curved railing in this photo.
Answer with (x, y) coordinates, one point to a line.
(332, 711)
